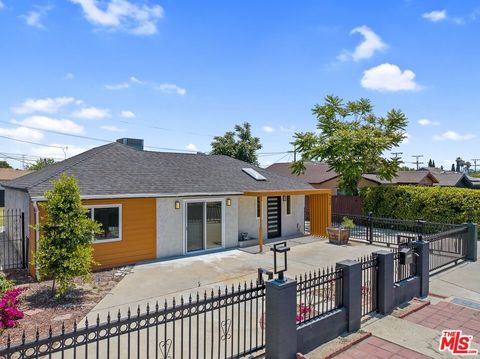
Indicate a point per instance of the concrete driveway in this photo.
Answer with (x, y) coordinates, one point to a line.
(149, 282)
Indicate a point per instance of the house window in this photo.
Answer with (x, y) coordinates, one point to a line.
(289, 205)
(110, 219)
(258, 207)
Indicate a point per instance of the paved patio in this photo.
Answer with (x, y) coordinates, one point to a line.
(165, 280)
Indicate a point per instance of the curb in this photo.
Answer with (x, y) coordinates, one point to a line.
(413, 310)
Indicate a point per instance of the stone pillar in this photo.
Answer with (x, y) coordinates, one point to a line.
(422, 269)
(385, 282)
(472, 241)
(281, 323)
(352, 292)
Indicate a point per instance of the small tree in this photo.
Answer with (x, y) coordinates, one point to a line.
(239, 144)
(5, 164)
(453, 167)
(65, 248)
(352, 140)
(40, 163)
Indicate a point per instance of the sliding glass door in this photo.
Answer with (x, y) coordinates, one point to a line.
(204, 225)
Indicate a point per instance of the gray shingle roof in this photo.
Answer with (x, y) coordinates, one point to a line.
(116, 169)
(403, 177)
(315, 172)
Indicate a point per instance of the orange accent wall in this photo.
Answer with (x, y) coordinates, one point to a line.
(139, 233)
(320, 213)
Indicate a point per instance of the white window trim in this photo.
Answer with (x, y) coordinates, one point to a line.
(203, 200)
(119, 206)
(286, 206)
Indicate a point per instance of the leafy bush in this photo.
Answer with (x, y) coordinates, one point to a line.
(9, 312)
(347, 223)
(65, 247)
(437, 204)
(5, 284)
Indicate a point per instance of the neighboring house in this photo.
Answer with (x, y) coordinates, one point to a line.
(158, 205)
(6, 175)
(451, 179)
(318, 174)
(416, 178)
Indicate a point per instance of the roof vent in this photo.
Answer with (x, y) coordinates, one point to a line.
(132, 142)
(254, 174)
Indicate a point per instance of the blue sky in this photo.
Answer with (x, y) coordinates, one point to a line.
(175, 73)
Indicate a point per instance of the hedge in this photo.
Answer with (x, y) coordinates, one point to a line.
(438, 204)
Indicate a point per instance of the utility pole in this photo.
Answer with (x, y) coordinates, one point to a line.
(417, 162)
(397, 155)
(475, 163)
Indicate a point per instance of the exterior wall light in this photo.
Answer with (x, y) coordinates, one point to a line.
(177, 204)
(229, 202)
(280, 248)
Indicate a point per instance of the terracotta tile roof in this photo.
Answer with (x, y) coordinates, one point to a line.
(403, 177)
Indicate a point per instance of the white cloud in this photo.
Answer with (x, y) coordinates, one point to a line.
(1, 5)
(268, 129)
(191, 147)
(407, 139)
(48, 105)
(69, 76)
(112, 128)
(389, 77)
(367, 48)
(427, 122)
(92, 113)
(127, 114)
(34, 17)
(454, 136)
(121, 86)
(22, 133)
(136, 80)
(172, 89)
(435, 16)
(123, 15)
(50, 152)
(48, 123)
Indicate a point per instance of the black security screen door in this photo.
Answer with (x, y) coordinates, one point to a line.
(274, 223)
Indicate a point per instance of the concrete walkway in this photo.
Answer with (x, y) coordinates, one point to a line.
(162, 281)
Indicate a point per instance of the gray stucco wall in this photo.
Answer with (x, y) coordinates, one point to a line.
(170, 225)
(291, 224)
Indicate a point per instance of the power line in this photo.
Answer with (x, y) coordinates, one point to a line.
(30, 142)
(475, 163)
(417, 162)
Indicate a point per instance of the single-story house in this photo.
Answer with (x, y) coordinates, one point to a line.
(414, 178)
(317, 174)
(451, 179)
(6, 175)
(159, 205)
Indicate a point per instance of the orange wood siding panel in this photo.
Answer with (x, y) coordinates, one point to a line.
(139, 233)
(32, 240)
(320, 213)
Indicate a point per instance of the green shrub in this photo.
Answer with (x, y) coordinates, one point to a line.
(347, 223)
(437, 204)
(5, 284)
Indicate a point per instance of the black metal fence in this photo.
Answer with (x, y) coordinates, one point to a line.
(447, 247)
(318, 293)
(227, 324)
(387, 230)
(12, 240)
(369, 283)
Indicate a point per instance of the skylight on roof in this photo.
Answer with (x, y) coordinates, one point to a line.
(254, 174)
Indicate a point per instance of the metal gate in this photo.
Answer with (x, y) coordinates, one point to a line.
(447, 247)
(12, 240)
(369, 283)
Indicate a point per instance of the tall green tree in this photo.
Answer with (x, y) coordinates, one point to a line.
(460, 163)
(352, 140)
(40, 163)
(239, 144)
(453, 167)
(5, 164)
(65, 248)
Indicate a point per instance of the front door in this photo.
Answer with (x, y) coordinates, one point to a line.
(204, 225)
(274, 224)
